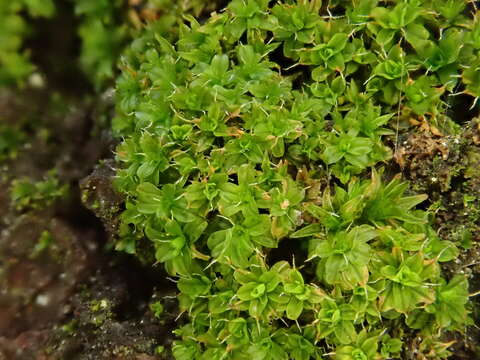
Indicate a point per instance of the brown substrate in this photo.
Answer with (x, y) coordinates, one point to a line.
(71, 297)
(447, 169)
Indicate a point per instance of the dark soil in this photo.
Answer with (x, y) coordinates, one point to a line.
(76, 298)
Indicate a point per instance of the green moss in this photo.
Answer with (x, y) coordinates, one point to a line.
(257, 130)
(107, 25)
(30, 195)
(11, 140)
(45, 241)
(70, 327)
(100, 311)
(15, 65)
(252, 149)
(157, 309)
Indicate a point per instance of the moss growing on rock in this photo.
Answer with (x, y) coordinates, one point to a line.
(248, 144)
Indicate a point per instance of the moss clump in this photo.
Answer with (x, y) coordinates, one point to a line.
(27, 194)
(250, 147)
